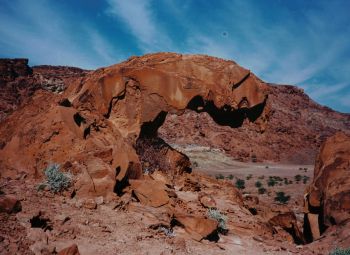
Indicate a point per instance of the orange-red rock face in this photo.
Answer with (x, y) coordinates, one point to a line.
(328, 197)
(94, 126)
(294, 132)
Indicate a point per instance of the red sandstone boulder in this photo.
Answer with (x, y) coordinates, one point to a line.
(328, 196)
(150, 192)
(197, 227)
(288, 222)
(9, 204)
(206, 200)
(71, 250)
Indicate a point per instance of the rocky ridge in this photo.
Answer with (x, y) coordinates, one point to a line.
(19, 82)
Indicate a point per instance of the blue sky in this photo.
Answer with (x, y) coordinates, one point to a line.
(299, 42)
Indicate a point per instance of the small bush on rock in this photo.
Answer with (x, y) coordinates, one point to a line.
(55, 179)
(220, 218)
(339, 251)
(219, 177)
(167, 231)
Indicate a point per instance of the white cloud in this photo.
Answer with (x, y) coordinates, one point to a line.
(138, 16)
(102, 47)
(319, 91)
(42, 32)
(345, 100)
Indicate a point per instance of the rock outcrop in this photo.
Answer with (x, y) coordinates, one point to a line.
(197, 227)
(327, 201)
(71, 250)
(18, 82)
(102, 127)
(96, 126)
(296, 128)
(9, 204)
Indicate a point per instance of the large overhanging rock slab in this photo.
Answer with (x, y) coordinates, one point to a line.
(110, 111)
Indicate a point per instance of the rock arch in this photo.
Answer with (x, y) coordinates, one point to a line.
(114, 111)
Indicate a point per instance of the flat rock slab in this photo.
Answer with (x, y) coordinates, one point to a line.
(150, 192)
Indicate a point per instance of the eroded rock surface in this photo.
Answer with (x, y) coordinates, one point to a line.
(327, 201)
(95, 126)
(9, 204)
(71, 250)
(18, 82)
(296, 128)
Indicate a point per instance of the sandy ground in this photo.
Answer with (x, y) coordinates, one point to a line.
(215, 163)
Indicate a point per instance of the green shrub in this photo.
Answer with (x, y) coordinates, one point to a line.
(254, 158)
(277, 178)
(339, 251)
(231, 176)
(281, 197)
(240, 184)
(167, 231)
(55, 179)
(215, 214)
(261, 190)
(271, 182)
(220, 176)
(305, 179)
(297, 178)
(249, 177)
(258, 184)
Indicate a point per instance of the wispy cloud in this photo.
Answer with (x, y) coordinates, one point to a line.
(41, 31)
(139, 17)
(102, 47)
(345, 100)
(319, 91)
